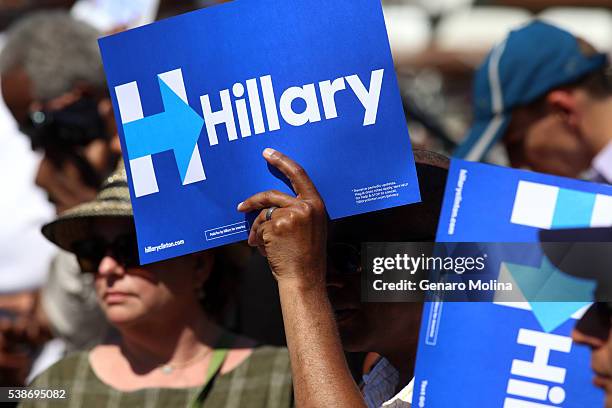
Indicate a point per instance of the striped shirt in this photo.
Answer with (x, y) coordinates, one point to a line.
(262, 380)
(380, 384)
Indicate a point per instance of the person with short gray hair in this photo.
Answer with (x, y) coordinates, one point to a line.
(56, 51)
(53, 82)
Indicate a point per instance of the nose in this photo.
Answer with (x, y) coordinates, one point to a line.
(43, 172)
(109, 266)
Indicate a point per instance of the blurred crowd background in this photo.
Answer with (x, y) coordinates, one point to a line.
(437, 46)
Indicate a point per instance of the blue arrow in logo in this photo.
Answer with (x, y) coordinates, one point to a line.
(177, 128)
(553, 296)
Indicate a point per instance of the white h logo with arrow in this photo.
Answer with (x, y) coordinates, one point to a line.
(177, 128)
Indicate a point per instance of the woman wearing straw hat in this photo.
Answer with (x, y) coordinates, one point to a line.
(170, 352)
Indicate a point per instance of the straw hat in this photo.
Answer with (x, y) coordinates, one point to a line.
(75, 224)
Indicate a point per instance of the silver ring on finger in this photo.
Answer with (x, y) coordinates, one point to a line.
(269, 212)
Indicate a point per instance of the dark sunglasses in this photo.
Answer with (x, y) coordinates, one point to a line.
(345, 258)
(90, 252)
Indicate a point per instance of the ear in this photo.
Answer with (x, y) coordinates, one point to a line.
(564, 102)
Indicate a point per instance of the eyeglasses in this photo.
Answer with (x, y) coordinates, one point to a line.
(345, 258)
(90, 252)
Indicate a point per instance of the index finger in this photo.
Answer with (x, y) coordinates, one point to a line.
(301, 183)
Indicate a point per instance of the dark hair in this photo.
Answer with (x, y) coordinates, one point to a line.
(597, 84)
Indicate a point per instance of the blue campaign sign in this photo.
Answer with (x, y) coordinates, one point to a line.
(485, 203)
(509, 354)
(199, 96)
(497, 356)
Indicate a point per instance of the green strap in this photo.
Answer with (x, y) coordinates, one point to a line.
(216, 361)
(214, 367)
